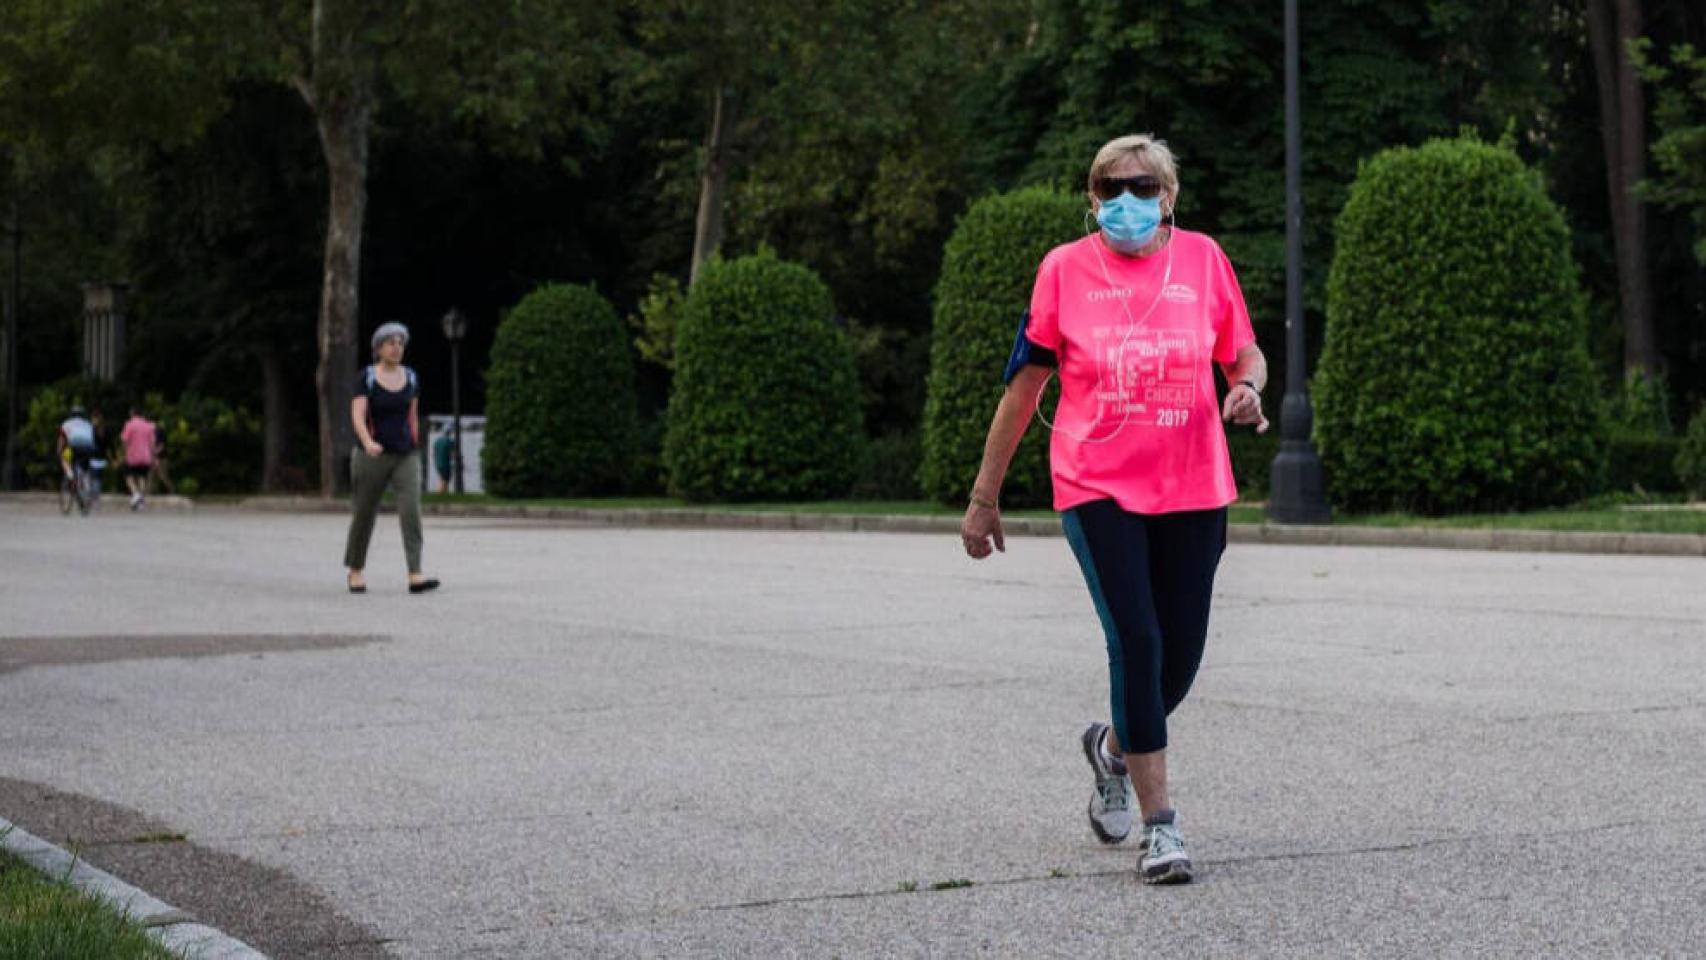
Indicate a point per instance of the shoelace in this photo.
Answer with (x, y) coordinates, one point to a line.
(1164, 838)
(1113, 795)
(1113, 790)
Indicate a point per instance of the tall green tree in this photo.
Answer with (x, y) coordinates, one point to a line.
(1614, 26)
(1680, 148)
(513, 69)
(223, 259)
(1207, 78)
(86, 73)
(81, 82)
(801, 104)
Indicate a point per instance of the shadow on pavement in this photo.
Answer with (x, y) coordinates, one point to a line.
(268, 909)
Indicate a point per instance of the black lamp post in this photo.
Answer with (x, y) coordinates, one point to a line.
(1298, 492)
(455, 328)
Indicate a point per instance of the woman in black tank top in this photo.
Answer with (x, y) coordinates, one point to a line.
(385, 411)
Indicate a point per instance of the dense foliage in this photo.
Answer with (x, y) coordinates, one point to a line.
(211, 447)
(766, 401)
(1455, 375)
(987, 274)
(161, 142)
(560, 398)
(1691, 459)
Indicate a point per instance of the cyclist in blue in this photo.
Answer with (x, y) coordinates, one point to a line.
(76, 445)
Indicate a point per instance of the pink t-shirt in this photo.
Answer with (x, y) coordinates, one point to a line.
(138, 438)
(1138, 421)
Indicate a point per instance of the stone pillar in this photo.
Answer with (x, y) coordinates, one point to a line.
(103, 329)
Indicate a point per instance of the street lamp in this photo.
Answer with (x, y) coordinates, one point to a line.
(1297, 491)
(455, 325)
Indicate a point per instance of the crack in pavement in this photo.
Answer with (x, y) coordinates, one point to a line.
(1606, 712)
(1372, 850)
(1466, 608)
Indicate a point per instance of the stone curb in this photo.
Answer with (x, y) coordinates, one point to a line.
(110, 502)
(172, 928)
(1522, 541)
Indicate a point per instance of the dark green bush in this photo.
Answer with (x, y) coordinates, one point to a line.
(1691, 458)
(655, 322)
(1641, 407)
(647, 478)
(988, 269)
(560, 405)
(211, 446)
(765, 402)
(891, 468)
(1641, 462)
(1253, 458)
(1455, 375)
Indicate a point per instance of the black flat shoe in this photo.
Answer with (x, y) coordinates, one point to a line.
(358, 588)
(423, 586)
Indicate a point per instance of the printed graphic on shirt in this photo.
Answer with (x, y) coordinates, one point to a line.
(1147, 378)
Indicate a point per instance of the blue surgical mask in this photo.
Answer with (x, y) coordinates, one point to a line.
(1129, 223)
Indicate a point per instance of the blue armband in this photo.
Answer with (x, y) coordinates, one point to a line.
(1025, 352)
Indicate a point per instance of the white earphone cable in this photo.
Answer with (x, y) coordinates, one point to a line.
(1119, 352)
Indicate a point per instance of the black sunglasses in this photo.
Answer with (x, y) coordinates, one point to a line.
(1143, 188)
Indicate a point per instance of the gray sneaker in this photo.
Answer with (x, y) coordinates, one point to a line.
(1164, 859)
(1110, 805)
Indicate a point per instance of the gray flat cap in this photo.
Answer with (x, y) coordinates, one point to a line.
(388, 330)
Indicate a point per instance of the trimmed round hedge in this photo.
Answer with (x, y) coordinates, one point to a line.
(560, 399)
(765, 402)
(988, 269)
(1455, 375)
(1691, 458)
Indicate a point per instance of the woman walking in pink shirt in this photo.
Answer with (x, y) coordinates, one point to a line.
(140, 449)
(1133, 319)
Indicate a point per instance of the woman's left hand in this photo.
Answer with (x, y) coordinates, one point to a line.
(1244, 406)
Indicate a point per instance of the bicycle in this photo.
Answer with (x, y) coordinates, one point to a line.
(82, 488)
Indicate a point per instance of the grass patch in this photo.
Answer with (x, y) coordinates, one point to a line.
(1594, 517)
(40, 917)
(1241, 513)
(1649, 520)
(860, 507)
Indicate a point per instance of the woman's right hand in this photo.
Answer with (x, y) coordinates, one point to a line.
(981, 527)
(372, 447)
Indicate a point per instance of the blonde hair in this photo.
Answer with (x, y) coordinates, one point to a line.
(1152, 154)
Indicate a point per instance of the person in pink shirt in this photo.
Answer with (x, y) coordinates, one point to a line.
(139, 440)
(1133, 319)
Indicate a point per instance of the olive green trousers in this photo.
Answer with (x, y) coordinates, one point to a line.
(369, 476)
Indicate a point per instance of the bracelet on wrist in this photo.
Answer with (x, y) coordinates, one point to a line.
(983, 502)
(1251, 384)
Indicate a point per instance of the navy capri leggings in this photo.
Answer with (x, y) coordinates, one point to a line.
(1151, 578)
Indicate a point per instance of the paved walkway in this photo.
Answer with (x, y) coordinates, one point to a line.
(600, 741)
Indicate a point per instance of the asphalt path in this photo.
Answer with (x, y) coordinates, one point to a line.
(637, 742)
